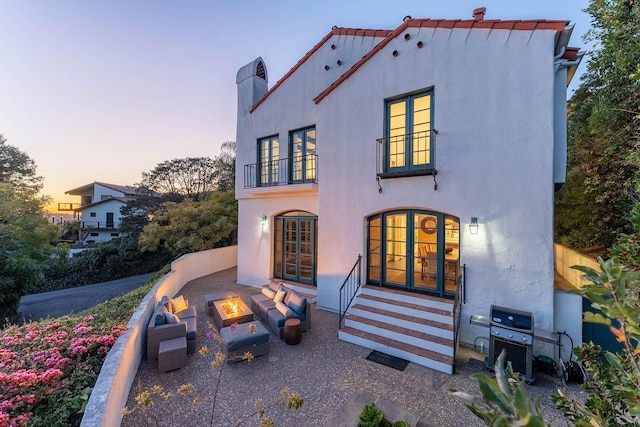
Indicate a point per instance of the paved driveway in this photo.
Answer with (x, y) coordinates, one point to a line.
(67, 301)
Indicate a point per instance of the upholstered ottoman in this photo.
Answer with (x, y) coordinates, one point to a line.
(238, 339)
(172, 354)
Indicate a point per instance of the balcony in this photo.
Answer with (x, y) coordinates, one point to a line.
(287, 171)
(406, 155)
(99, 224)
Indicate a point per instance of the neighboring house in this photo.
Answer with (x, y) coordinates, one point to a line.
(433, 150)
(99, 211)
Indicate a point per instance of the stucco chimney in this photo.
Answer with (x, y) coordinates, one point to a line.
(252, 83)
(478, 13)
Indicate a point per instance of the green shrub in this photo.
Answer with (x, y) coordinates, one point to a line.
(112, 260)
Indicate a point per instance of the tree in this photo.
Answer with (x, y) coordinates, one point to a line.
(18, 169)
(177, 179)
(603, 132)
(25, 235)
(25, 247)
(191, 226)
(190, 177)
(224, 167)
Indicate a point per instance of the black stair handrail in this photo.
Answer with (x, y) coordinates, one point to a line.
(459, 300)
(350, 286)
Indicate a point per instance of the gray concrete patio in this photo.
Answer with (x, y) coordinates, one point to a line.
(332, 376)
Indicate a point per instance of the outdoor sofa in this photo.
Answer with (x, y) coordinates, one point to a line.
(277, 303)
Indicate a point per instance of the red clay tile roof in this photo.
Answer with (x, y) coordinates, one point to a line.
(525, 25)
(571, 53)
(528, 25)
(333, 32)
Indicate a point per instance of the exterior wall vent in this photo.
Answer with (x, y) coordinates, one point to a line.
(407, 37)
(395, 53)
(419, 44)
(260, 71)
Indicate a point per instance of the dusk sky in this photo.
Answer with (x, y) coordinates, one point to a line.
(104, 90)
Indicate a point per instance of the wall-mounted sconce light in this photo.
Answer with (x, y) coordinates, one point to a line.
(473, 227)
(263, 219)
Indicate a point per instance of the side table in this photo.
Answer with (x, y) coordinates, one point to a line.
(292, 331)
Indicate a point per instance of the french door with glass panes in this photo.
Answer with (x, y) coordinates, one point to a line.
(414, 250)
(295, 247)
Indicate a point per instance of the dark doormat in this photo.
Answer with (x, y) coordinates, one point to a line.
(387, 360)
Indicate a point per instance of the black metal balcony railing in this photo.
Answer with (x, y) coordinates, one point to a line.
(99, 224)
(406, 155)
(291, 170)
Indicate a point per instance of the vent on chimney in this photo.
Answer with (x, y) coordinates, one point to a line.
(478, 14)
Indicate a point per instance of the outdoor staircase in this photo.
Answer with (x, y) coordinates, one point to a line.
(414, 327)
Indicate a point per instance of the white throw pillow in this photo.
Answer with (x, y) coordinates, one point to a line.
(268, 292)
(179, 304)
(280, 296)
(286, 311)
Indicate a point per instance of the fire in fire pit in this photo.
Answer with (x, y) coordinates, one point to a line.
(231, 306)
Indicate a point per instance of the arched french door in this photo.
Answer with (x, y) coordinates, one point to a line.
(295, 247)
(414, 250)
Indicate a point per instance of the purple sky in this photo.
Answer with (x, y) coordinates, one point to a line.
(104, 90)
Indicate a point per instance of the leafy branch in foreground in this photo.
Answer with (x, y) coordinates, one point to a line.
(504, 399)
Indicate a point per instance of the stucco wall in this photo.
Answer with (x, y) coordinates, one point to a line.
(99, 191)
(110, 393)
(494, 111)
(255, 261)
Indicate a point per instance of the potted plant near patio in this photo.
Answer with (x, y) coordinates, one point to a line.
(372, 416)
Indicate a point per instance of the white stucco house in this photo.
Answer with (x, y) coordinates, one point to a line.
(99, 211)
(432, 150)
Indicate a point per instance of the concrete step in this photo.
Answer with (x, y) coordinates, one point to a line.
(415, 327)
(404, 350)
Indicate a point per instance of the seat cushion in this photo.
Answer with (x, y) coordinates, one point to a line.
(189, 312)
(192, 327)
(255, 302)
(264, 307)
(238, 337)
(276, 320)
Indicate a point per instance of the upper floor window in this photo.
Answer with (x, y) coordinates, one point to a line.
(407, 145)
(268, 160)
(302, 146)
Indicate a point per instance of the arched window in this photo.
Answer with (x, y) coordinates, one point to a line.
(414, 250)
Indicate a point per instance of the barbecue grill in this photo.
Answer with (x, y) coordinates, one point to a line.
(512, 330)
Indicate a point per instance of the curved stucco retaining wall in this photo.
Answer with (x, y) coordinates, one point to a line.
(110, 393)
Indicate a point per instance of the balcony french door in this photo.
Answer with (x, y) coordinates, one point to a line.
(414, 250)
(303, 158)
(295, 247)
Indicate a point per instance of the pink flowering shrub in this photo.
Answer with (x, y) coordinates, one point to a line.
(48, 367)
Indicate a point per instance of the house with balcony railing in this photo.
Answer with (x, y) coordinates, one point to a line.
(99, 209)
(406, 177)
